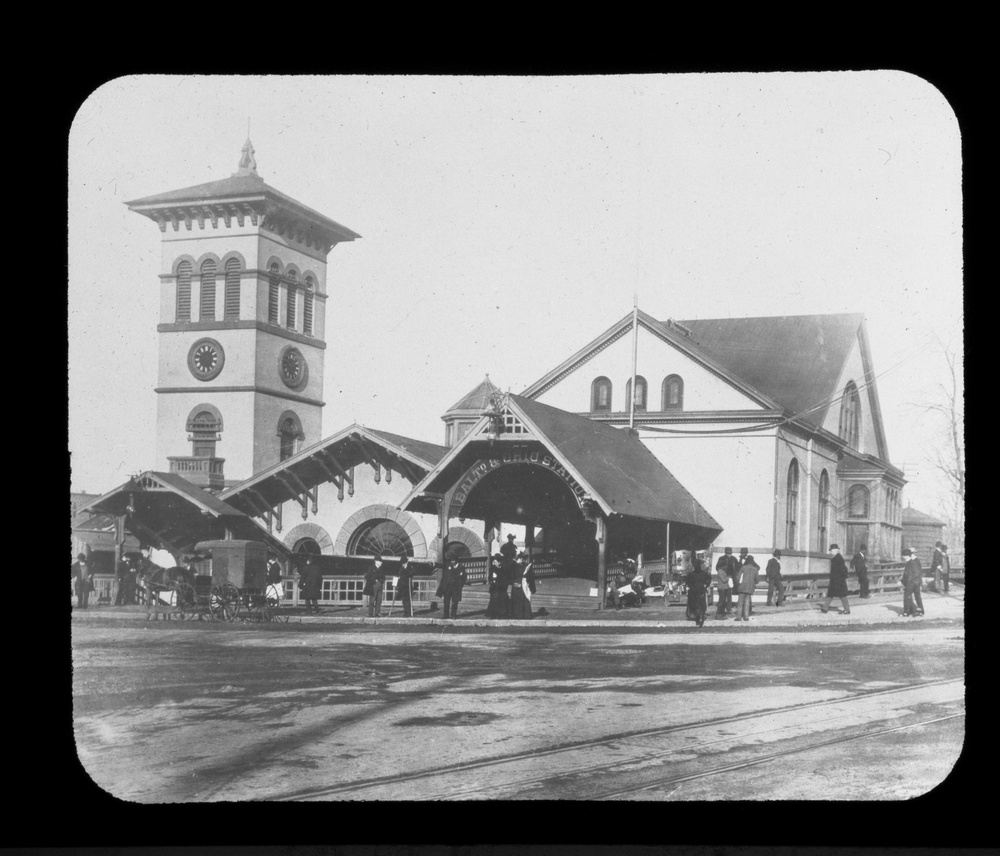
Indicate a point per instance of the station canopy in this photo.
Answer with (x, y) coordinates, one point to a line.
(333, 460)
(565, 460)
(168, 512)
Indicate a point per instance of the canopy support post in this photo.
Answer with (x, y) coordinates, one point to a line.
(601, 536)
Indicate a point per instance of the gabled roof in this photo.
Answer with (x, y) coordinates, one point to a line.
(615, 468)
(325, 461)
(796, 360)
(913, 517)
(620, 468)
(477, 399)
(663, 331)
(166, 510)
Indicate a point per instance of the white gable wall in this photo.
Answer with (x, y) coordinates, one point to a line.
(854, 369)
(656, 360)
(729, 475)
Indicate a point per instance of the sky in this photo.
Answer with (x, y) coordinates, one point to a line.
(506, 221)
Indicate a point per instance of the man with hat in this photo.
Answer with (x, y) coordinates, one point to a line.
(745, 585)
(80, 572)
(859, 564)
(838, 581)
(939, 566)
(725, 574)
(509, 550)
(310, 584)
(452, 582)
(404, 585)
(775, 585)
(374, 587)
(913, 574)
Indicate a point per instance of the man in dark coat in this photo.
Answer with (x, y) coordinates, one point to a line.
(745, 585)
(374, 587)
(404, 586)
(838, 581)
(509, 550)
(697, 583)
(938, 562)
(913, 575)
(775, 585)
(725, 574)
(310, 584)
(80, 572)
(452, 583)
(859, 564)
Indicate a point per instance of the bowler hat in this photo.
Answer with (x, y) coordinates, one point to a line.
(835, 546)
(907, 551)
(81, 557)
(510, 537)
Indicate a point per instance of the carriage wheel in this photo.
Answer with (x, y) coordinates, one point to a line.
(225, 602)
(184, 600)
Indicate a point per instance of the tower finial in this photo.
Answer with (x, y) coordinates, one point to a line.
(248, 164)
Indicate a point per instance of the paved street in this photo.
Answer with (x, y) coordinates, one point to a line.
(195, 711)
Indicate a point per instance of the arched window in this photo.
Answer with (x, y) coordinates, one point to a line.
(823, 521)
(381, 537)
(290, 303)
(673, 393)
(791, 504)
(204, 424)
(308, 547)
(307, 307)
(640, 393)
(850, 415)
(858, 499)
(290, 435)
(184, 291)
(207, 311)
(600, 395)
(273, 293)
(232, 289)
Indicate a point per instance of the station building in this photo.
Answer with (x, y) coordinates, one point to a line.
(773, 423)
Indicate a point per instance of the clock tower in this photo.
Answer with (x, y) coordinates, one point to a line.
(242, 325)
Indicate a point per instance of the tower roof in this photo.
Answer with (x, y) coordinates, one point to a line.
(243, 193)
(477, 399)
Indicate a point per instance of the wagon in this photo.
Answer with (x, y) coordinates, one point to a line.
(227, 580)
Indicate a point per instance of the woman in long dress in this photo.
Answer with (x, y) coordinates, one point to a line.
(499, 606)
(522, 588)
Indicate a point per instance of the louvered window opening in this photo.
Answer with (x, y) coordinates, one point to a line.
(273, 295)
(232, 289)
(307, 308)
(208, 270)
(184, 291)
(290, 305)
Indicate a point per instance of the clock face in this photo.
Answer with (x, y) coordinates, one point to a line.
(292, 368)
(206, 358)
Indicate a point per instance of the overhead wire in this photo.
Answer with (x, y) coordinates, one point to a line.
(777, 422)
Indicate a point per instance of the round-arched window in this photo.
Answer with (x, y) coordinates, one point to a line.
(380, 537)
(308, 547)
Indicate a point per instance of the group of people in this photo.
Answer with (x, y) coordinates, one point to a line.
(127, 575)
(740, 575)
(512, 583)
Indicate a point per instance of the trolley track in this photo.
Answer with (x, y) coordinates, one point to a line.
(567, 749)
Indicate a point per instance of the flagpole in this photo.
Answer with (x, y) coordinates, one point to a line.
(635, 354)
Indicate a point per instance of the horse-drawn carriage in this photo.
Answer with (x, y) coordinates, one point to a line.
(224, 579)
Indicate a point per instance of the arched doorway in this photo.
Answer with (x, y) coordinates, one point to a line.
(308, 547)
(531, 494)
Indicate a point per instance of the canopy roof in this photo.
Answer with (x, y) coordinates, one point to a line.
(615, 469)
(330, 460)
(168, 512)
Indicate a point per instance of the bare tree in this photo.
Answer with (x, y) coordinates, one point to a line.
(947, 457)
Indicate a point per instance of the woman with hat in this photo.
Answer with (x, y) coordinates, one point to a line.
(522, 588)
(499, 578)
